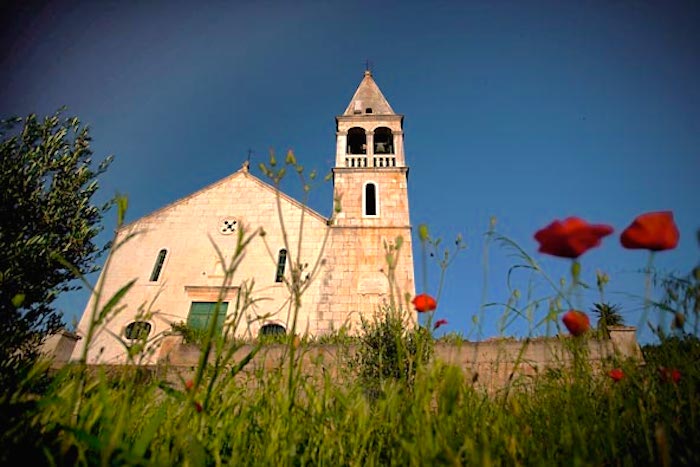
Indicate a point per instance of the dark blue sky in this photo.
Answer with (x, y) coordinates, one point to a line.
(526, 111)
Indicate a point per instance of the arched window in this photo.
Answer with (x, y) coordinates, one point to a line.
(370, 198)
(158, 267)
(272, 330)
(357, 141)
(137, 330)
(383, 141)
(281, 263)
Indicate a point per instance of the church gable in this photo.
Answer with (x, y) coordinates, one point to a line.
(189, 232)
(219, 198)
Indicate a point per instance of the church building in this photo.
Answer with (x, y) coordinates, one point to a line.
(177, 256)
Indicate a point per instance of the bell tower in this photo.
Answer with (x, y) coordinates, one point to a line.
(371, 191)
(370, 171)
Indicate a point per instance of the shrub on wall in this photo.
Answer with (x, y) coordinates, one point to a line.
(390, 351)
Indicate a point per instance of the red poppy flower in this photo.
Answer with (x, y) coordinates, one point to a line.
(675, 375)
(616, 374)
(576, 322)
(189, 384)
(571, 237)
(655, 231)
(197, 406)
(669, 375)
(440, 322)
(424, 302)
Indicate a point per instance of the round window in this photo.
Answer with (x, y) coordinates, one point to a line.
(138, 330)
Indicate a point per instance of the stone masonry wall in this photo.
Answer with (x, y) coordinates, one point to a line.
(488, 364)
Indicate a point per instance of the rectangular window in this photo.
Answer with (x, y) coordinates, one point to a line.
(281, 262)
(158, 267)
(370, 199)
(201, 314)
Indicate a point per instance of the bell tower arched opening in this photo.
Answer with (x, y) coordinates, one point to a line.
(357, 141)
(383, 141)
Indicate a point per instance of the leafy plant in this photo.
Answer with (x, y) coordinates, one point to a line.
(390, 349)
(189, 334)
(608, 315)
(48, 219)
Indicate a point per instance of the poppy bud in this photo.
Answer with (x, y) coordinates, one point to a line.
(577, 322)
(616, 374)
(424, 303)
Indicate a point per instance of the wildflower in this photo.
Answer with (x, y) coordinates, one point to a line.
(669, 375)
(576, 322)
(189, 384)
(655, 231)
(675, 375)
(290, 159)
(197, 406)
(571, 237)
(424, 302)
(423, 232)
(440, 322)
(616, 374)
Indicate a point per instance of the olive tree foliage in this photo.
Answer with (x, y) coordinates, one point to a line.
(48, 221)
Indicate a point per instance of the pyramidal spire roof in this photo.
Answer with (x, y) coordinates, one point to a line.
(368, 96)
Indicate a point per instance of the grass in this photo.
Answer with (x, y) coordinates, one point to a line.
(129, 416)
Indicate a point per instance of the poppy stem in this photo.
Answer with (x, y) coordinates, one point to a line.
(575, 272)
(647, 289)
(575, 281)
(424, 265)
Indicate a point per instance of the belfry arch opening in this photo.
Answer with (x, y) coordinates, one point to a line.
(383, 141)
(357, 141)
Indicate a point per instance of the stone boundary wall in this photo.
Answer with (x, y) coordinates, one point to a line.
(489, 363)
(59, 347)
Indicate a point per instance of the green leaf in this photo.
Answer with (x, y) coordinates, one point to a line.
(17, 300)
(149, 432)
(170, 391)
(114, 301)
(240, 365)
(196, 454)
(122, 204)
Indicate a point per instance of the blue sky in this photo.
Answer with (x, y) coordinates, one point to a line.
(526, 111)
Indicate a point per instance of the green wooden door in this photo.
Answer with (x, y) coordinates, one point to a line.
(201, 314)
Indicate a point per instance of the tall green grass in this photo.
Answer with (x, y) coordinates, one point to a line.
(132, 416)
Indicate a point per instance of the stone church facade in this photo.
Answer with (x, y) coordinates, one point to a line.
(179, 275)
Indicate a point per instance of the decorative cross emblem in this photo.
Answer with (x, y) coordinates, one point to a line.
(228, 226)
